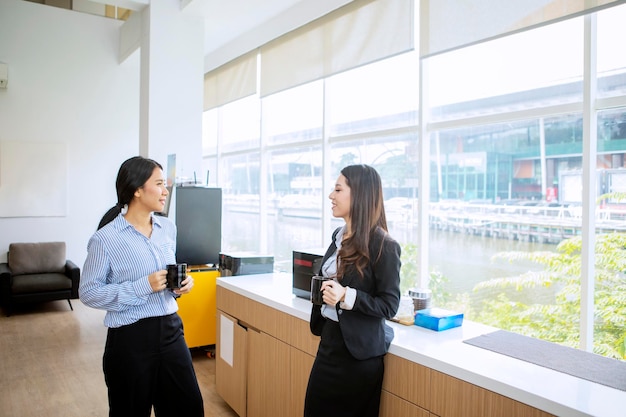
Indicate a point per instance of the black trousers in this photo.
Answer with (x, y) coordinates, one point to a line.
(148, 364)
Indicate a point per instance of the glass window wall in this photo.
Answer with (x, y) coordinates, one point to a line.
(506, 201)
(383, 95)
(239, 125)
(294, 115)
(295, 199)
(240, 183)
(536, 68)
(611, 61)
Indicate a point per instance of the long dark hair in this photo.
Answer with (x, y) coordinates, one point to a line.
(367, 213)
(133, 173)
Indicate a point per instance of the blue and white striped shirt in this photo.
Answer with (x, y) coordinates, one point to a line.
(115, 274)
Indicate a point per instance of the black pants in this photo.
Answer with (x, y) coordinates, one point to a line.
(149, 364)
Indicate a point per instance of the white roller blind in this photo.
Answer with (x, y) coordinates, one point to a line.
(231, 81)
(450, 24)
(356, 34)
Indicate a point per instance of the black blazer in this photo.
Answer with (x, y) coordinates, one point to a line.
(377, 299)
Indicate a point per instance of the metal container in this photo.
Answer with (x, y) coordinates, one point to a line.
(421, 298)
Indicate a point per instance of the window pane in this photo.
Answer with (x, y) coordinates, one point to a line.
(496, 76)
(394, 158)
(510, 193)
(294, 115)
(611, 59)
(239, 124)
(610, 280)
(379, 96)
(295, 203)
(240, 193)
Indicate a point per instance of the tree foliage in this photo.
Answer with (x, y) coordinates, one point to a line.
(513, 303)
(408, 276)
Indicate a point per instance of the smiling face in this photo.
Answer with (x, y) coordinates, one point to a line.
(341, 199)
(152, 195)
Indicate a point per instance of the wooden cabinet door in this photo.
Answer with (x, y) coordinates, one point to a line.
(231, 362)
(453, 397)
(393, 406)
(301, 364)
(268, 376)
(408, 380)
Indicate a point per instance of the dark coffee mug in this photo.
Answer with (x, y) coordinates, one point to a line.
(176, 274)
(316, 289)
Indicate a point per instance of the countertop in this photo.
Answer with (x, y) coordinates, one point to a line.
(554, 392)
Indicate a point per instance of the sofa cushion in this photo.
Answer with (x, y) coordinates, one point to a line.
(36, 258)
(30, 283)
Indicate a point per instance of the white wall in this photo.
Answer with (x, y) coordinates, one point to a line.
(66, 85)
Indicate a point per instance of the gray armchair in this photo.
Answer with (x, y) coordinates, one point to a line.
(37, 272)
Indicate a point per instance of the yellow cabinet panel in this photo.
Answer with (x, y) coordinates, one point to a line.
(198, 308)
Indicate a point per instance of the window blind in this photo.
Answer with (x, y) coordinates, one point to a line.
(232, 81)
(361, 32)
(450, 24)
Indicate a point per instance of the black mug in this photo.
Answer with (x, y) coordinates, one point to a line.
(316, 289)
(176, 274)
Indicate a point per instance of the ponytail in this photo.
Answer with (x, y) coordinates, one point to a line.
(110, 215)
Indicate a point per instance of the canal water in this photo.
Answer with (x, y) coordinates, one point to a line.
(467, 259)
(463, 259)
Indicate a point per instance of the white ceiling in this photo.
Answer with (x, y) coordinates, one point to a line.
(225, 20)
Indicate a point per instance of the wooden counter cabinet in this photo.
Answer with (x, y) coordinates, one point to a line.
(257, 373)
(427, 373)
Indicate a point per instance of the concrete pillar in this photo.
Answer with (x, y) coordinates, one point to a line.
(171, 88)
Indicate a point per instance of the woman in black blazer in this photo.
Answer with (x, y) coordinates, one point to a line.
(364, 262)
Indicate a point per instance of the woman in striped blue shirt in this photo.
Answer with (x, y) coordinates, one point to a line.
(146, 360)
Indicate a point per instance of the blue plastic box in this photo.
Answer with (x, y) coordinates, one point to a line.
(438, 319)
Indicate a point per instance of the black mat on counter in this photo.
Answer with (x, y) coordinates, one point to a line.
(575, 362)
